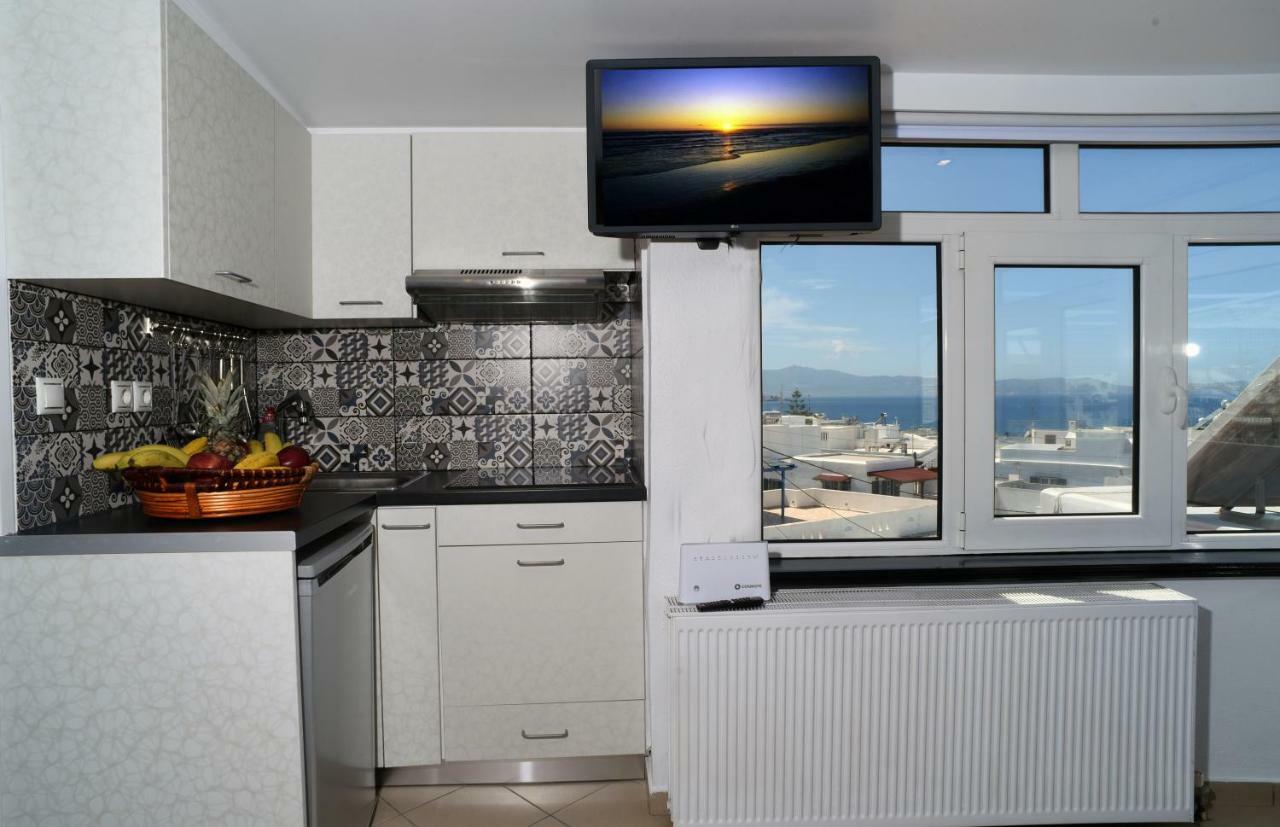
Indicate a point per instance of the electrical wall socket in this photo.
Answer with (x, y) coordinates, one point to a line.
(141, 396)
(121, 397)
(51, 397)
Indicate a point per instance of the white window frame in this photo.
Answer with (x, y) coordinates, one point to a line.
(1149, 253)
(1063, 219)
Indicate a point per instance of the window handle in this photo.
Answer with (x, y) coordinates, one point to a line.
(1175, 398)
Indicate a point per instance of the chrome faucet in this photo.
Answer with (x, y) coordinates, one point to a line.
(296, 405)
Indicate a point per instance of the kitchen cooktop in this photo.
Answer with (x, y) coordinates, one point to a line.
(543, 477)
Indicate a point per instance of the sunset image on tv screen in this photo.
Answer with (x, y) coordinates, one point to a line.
(722, 146)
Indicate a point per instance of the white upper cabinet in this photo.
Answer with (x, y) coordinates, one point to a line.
(506, 199)
(221, 140)
(362, 243)
(293, 215)
(81, 92)
(136, 148)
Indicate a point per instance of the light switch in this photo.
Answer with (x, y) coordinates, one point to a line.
(121, 397)
(142, 396)
(51, 397)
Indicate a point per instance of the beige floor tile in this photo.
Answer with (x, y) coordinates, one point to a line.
(479, 806)
(551, 798)
(619, 804)
(405, 799)
(385, 811)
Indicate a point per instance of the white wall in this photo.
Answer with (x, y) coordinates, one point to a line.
(702, 369)
(703, 444)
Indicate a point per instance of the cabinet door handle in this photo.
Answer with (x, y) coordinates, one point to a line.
(523, 253)
(234, 276)
(544, 736)
(422, 527)
(360, 302)
(532, 563)
(539, 525)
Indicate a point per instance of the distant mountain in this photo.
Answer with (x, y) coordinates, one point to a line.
(820, 383)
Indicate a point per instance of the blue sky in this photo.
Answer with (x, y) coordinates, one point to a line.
(867, 310)
(870, 309)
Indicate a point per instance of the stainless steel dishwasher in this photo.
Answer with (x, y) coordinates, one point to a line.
(335, 621)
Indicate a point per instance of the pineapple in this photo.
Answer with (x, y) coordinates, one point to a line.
(222, 403)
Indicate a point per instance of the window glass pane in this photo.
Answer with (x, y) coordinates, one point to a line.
(1233, 393)
(1065, 441)
(850, 416)
(963, 178)
(1180, 179)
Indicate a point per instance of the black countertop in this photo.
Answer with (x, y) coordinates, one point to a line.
(518, 485)
(128, 530)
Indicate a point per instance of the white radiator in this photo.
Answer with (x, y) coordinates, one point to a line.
(936, 706)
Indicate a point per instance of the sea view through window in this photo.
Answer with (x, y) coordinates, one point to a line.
(850, 404)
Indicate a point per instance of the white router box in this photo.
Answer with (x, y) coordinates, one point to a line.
(710, 572)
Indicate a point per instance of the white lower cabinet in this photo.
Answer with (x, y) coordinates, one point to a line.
(539, 647)
(483, 733)
(541, 624)
(408, 651)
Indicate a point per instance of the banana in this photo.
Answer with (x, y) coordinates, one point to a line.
(195, 446)
(255, 447)
(149, 459)
(177, 454)
(108, 461)
(271, 441)
(262, 459)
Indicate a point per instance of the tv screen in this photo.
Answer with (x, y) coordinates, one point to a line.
(712, 147)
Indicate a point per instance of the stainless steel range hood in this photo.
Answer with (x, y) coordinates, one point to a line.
(515, 295)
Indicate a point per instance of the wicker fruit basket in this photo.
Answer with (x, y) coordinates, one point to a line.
(200, 494)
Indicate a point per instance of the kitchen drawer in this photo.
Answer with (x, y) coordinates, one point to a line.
(525, 523)
(541, 624)
(484, 733)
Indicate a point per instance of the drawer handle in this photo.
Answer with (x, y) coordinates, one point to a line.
(234, 276)
(534, 563)
(539, 525)
(523, 253)
(422, 527)
(547, 736)
(360, 302)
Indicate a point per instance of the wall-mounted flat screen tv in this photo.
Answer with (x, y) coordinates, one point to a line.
(711, 147)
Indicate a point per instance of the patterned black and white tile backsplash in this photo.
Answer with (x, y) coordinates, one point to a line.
(88, 343)
(460, 396)
(413, 398)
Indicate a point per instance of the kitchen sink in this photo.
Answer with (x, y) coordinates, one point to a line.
(363, 481)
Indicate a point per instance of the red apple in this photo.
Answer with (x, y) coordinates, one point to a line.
(293, 457)
(209, 461)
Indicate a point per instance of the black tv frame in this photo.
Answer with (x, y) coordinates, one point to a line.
(715, 231)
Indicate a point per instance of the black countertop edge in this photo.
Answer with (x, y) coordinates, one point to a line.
(813, 572)
(129, 531)
(426, 493)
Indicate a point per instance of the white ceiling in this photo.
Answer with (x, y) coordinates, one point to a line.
(388, 63)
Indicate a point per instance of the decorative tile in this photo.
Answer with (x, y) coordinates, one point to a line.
(380, 401)
(92, 404)
(581, 385)
(377, 345)
(351, 401)
(60, 320)
(89, 317)
(34, 501)
(408, 400)
(491, 386)
(461, 341)
(26, 313)
(324, 401)
(126, 365)
(585, 340)
(92, 366)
